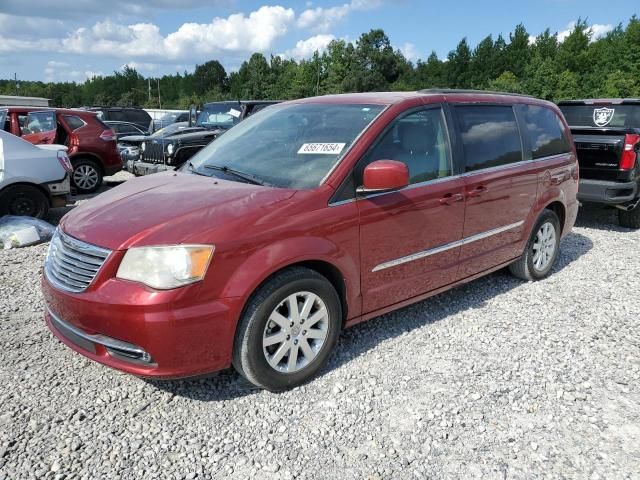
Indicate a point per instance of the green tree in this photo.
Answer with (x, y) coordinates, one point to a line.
(506, 82)
(567, 87)
(518, 50)
(458, 67)
(210, 75)
(620, 84)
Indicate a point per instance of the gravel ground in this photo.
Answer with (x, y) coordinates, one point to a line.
(496, 379)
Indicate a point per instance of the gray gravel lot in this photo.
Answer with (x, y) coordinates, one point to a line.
(496, 379)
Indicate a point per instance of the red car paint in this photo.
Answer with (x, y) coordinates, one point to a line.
(83, 142)
(258, 231)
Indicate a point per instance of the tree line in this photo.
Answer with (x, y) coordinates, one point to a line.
(578, 66)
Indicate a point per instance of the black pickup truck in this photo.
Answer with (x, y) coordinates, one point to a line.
(212, 120)
(607, 137)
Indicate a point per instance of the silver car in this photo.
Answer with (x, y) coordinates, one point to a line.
(32, 178)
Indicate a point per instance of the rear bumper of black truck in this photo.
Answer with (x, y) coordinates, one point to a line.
(606, 191)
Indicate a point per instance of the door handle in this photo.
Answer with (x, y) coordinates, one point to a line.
(476, 192)
(450, 198)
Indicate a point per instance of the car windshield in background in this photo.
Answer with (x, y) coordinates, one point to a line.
(288, 145)
(224, 115)
(168, 130)
(627, 116)
(3, 119)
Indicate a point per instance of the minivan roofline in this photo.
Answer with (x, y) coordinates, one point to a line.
(450, 91)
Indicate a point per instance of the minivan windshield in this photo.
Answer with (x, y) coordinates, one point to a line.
(223, 114)
(288, 145)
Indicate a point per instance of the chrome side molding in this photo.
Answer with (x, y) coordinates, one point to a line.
(447, 246)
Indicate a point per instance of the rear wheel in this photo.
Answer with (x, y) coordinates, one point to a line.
(87, 176)
(630, 219)
(288, 330)
(24, 200)
(541, 251)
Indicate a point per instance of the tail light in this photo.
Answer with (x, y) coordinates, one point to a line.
(108, 135)
(63, 158)
(630, 152)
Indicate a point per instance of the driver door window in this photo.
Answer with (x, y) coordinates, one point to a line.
(38, 127)
(419, 140)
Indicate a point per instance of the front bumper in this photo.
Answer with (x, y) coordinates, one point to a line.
(605, 191)
(140, 168)
(63, 187)
(144, 332)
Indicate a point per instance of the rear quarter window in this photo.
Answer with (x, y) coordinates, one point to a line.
(545, 132)
(74, 122)
(490, 136)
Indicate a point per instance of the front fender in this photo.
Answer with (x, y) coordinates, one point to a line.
(263, 263)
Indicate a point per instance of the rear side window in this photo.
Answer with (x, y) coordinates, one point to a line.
(490, 136)
(115, 115)
(140, 116)
(545, 132)
(74, 122)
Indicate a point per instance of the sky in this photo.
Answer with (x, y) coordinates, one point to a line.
(72, 40)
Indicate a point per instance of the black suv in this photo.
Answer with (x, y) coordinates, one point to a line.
(125, 114)
(169, 152)
(607, 137)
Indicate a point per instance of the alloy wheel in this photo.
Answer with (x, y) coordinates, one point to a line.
(85, 177)
(544, 246)
(295, 332)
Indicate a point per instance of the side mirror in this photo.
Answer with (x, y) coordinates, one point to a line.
(384, 175)
(193, 115)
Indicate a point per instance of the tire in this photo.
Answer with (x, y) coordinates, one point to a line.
(24, 200)
(531, 267)
(630, 219)
(87, 176)
(271, 301)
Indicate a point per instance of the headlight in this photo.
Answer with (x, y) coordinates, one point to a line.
(166, 267)
(170, 149)
(143, 146)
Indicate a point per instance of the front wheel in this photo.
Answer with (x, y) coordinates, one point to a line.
(23, 200)
(541, 251)
(288, 330)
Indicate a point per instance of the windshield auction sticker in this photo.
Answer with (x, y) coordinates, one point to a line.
(321, 148)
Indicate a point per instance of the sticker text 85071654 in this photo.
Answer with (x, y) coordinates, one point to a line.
(321, 148)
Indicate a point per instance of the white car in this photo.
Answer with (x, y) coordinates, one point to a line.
(32, 178)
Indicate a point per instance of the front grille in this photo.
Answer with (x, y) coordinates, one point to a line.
(153, 152)
(72, 265)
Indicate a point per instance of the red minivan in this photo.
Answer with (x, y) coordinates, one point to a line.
(308, 217)
(92, 144)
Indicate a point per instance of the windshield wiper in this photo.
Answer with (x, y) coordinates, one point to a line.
(247, 177)
(192, 169)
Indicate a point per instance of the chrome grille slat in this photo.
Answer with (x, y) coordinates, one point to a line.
(71, 264)
(83, 258)
(81, 277)
(67, 264)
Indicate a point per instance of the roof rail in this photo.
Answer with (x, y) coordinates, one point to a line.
(456, 90)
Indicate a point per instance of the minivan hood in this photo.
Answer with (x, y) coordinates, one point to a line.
(168, 208)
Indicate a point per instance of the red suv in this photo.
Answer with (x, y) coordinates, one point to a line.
(310, 216)
(92, 144)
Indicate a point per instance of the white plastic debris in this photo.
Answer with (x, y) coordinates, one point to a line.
(18, 232)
